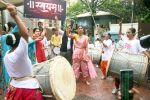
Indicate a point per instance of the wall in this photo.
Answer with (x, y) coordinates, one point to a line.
(99, 20)
(125, 27)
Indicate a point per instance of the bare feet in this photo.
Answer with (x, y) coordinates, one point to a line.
(88, 83)
(103, 77)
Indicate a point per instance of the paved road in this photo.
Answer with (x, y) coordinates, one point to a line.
(101, 90)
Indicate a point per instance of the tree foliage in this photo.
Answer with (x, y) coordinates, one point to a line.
(84, 6)
(124, 8)
(93, 5)
(120, 8)
(76, 9)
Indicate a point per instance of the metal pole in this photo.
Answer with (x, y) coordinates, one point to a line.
(132, 12)
(2, 18)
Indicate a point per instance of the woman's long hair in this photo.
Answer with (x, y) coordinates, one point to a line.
(84, 31)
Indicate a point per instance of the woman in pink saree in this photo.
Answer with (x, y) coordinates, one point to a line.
(81, 60)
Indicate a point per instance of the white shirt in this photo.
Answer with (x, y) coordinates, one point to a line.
(132, 46)
(18, 65)
(124, 38)
(98, 45)
(68, 44)
(96, 36)
(107, 51)
(90, 46)
(61, 32)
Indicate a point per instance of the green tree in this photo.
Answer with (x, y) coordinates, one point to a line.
(142, 13)
(76, 9)
(123, 9)
(120, 8)
(92, 5)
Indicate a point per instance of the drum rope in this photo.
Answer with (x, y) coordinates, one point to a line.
(38, 70)
(48, 96)
(127, 59)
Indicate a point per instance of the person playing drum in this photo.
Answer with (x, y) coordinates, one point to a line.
(106, 53)
(130, 45)
(80, 57)
(56, 39)
(22, 85)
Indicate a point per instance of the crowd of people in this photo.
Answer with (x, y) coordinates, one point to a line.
(73, 46)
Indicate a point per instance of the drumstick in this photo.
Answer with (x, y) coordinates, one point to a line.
(3, 2)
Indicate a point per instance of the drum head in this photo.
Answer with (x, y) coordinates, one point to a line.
(56, 50)
(62, 79)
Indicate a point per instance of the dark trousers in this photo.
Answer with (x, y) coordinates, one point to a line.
(117, 83)
(148, 72)
(67, 55)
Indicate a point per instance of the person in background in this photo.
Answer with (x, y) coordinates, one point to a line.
(67, 47)
(97, 43)
(22, 85)
(32, 50)
(56, 39)
(38, 37)
(98, 46)
(40, 26)
(92, 39)
(8, 28)
(45, 42)
(97, 36)
(60, 31)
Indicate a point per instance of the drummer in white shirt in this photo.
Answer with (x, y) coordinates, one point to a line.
(22, 85)
(106, 53)
(130, 45)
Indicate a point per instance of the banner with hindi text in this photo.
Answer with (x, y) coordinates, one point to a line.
(45, 9)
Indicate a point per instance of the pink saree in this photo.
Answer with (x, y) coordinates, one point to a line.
(81, 60)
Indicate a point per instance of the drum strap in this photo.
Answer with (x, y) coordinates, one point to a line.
(26, 78)
(22, 78)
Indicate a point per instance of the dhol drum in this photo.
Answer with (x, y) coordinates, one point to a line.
(56, 78)
(56, 50)
(95, 54)
(121, 60)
